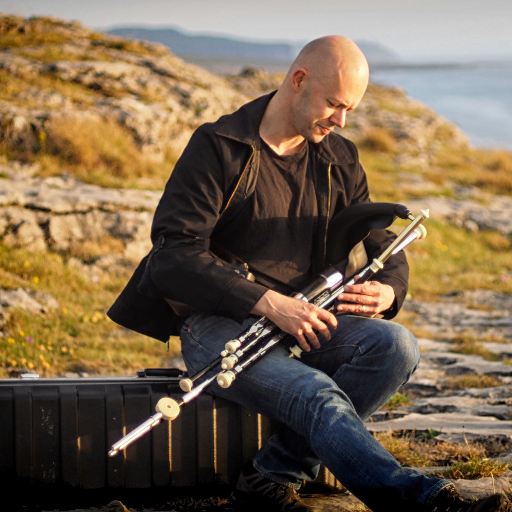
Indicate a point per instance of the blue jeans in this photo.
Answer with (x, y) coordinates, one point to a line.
(322, 400)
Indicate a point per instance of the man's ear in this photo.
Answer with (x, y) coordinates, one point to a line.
(298, 78)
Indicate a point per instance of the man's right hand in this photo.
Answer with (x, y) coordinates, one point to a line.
(296, 317)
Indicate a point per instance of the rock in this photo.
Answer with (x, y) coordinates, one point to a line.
(484, 486)
(58, 212)
(36, 303)
(20, 227)
(444, 422)
(485, 211)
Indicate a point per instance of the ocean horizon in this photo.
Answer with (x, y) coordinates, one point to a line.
(475, 96)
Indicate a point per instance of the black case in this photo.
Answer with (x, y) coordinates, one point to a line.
(58, 432)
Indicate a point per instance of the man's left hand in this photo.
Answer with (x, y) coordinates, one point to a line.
(366, 299)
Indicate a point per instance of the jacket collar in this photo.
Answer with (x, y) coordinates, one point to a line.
(243, 126)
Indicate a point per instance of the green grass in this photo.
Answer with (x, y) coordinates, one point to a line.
(77, 336)
(451, 258)
(396, 401)
(474, 467)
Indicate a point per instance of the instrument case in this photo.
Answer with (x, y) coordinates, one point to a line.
(57, 432)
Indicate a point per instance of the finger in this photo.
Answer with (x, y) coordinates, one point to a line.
(328, 317)
(302, 341)
(311, 336)
(358, 309)
(357, 298)
(369, 288)
(322, 329)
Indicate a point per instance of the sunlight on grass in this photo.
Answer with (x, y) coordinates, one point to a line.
(77, 337)
(474, 467)
(451, 258)
(396, 401)
(412, 451)
(473, 381)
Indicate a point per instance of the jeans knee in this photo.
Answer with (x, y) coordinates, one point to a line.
(403, 347)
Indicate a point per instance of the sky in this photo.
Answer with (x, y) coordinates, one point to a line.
(417, 30)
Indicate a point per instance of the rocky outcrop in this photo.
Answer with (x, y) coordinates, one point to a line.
(55, 213)
(33, 302)
(156, 96)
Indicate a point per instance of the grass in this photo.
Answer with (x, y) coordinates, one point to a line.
(425, 451)
(472, 381)
(77, 337)
(489, 170)
(468, 461)
(396, 401)
(473, 348)
(474, 467)
(97, 151)
(451, 258)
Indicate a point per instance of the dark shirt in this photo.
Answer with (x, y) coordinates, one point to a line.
(277, 226)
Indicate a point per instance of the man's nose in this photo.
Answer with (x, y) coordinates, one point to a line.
(339, 117)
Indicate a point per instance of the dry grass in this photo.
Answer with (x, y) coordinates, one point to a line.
(16, 32)
(489, 170)
(90, 250)
(474, 467)
(382, 176)
(100, 151)
(378, 139)
(472, 381)
(412, 451)
(473, 348)
(14, 89)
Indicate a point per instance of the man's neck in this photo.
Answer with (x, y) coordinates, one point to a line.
(274, 130)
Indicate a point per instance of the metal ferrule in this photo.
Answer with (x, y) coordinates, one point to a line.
(332, 277)
(135, 434)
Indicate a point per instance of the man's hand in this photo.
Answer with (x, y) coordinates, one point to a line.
(367, 299)
(296, 317)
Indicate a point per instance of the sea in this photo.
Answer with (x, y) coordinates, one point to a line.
(477, 97)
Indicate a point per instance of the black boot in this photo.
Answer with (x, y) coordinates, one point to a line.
(257, 492)
(449, 500)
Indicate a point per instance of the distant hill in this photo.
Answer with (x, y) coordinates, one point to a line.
(184, 44)
(202, 47)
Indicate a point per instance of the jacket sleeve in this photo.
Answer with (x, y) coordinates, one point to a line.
(182, 269)
(396, 269)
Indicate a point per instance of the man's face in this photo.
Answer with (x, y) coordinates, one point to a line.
(322, 104)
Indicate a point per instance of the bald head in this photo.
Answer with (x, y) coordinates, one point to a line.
(331, 57)
(327, 79)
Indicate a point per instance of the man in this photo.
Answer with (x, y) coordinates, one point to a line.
(264, 183)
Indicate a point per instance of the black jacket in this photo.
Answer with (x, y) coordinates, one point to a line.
(211, 182)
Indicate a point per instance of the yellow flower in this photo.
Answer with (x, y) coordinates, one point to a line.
(42, 348)
(35, 280)
(30, 365)
(65, 311)
(26, 264)
(41, 356)
(23, 361)
(63, 349)
(85, 318)
(97, 316)
(22, 333)
(11, 340)
(13, 362)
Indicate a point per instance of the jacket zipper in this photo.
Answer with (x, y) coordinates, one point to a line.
(239, 181)
(328, 207)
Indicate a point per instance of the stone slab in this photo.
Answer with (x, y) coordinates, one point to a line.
(444, 422)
